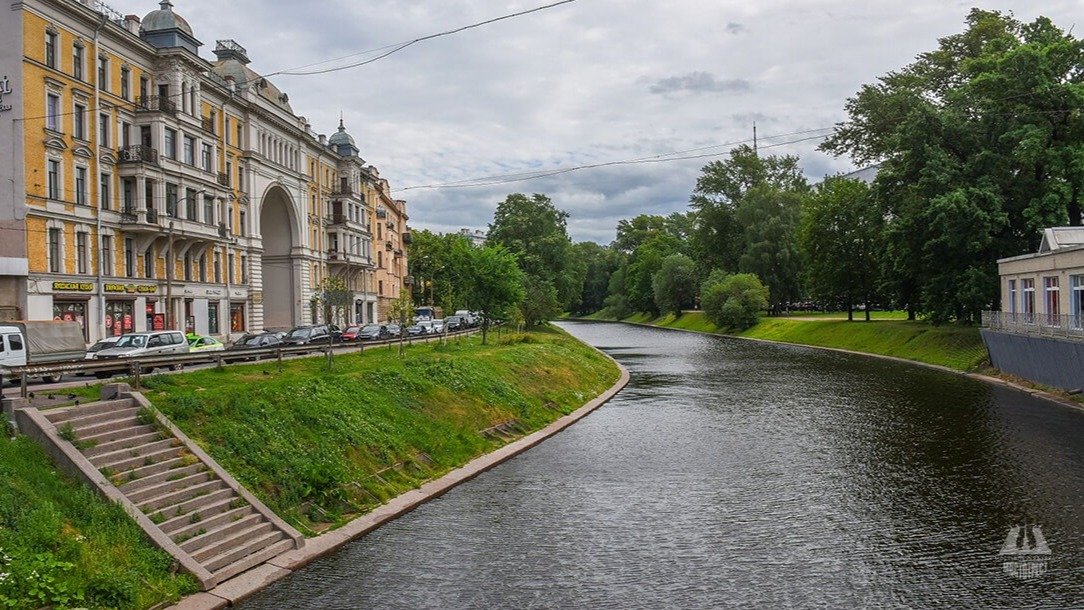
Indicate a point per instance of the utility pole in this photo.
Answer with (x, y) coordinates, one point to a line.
(755, 139)
(169, 280)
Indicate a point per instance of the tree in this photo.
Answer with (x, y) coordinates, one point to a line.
(401, 311)
(643, 265)
(492, 283)
(599, 262)
(734, 301)
(617, 299)
(769, 221)
(979, 143)
(539, 302)
(436, 264)
(333, 299)
(536, 232)
(631, 233)
(674, 284)
(840, 232)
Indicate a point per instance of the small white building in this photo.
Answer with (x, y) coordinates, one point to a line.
(1047, 286)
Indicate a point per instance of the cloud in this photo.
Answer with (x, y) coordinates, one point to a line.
(734, 27)
(698, 82)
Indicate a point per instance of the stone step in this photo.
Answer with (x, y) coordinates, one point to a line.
(158, 477)
(85, 421)
(253, 560)
(147, 459)
(239, 537)
(178, 496)
(213, 522)
(134, 453)
(138, 473)
(123, 443)
(112, 425)
(207, 506)
(116, 435)
(179, 481)
(217, 532)
(93, 408)
(239, 552)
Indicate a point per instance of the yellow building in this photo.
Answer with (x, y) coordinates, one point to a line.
(153, 188)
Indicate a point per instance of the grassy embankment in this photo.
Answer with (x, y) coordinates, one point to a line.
(61, 545)
(888, 334)
(320, 447)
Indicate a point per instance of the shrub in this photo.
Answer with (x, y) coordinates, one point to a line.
(735, 301)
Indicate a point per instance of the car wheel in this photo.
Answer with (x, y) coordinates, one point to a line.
(50, 378)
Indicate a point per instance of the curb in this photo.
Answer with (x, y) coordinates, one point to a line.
(250, 582)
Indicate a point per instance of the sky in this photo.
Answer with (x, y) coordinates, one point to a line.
(588, 82)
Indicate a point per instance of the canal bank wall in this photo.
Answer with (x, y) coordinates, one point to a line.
(248, 583)
(1023, 387)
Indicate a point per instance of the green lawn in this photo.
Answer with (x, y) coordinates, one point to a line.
(320, 447)
(61, 545)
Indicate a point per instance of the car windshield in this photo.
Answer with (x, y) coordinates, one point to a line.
(132, 341)
(99, 346)
(299, 333)
(352, 329)
(371, 327)
(253, 340)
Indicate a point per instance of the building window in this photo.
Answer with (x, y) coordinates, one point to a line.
(125, 83)
(1027, 302)
(229, 171)
(107, 255)
(239, 133)
(208, 209)
(81, 185)
(212, 317)
(190, 204)
(187, 267)
(72, 311)
(54, 250)
(148, 195)
(52, 112)
(1052, 300)
(1012, 296)
(217, 266)
(241, 222)
(77, 61)
(129, 257)
(240, 178)
(189, 150)
(54, 178)
(103, 73)
(82, 263)
(203, 267)
(119, 316)
(229, 268)
(205, 157)
(380, 290)
(79, 125)
(227, 130)
(171, 200)
(103, 129)
(170, 146)
(148, 263)
(144, 86)
(105, 202)
(237, 317)
(50, 49)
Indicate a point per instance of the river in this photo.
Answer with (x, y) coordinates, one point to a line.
(731, 473)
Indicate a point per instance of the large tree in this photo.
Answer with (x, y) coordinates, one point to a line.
(600, 262)
(436, 262)
(769, 234)
(675, 284)
(981, 145)
(840, 234)
(536, 231)
(492, 283)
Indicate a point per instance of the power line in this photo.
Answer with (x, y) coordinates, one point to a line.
(663, 158)
(400, 47)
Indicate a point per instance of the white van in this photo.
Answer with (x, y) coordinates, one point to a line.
(40, 342)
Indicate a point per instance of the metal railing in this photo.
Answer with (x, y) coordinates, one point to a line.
(138, 367)
(1038, 324)
(137, 153)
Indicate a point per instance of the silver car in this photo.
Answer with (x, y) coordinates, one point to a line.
(153, 343)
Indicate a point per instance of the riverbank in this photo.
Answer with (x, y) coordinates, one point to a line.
(955, 347)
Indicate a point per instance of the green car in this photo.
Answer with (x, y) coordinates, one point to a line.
(205, 344)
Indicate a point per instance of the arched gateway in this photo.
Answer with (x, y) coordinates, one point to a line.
(280, 238)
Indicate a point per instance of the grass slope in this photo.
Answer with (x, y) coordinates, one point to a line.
(320, 447)
(61, 545)
(956, 347)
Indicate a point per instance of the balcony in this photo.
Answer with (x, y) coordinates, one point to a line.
(140, 221)
(388, 246)
(137, 154)
(156, 103)
(407, 238)
(343, 190)
(339, 257)
(223, 179)
(208, 124)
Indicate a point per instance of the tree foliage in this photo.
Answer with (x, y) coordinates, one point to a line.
(674, 284)
(492, 283)
(734, 301)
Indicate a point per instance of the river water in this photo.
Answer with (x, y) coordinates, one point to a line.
(738, 474)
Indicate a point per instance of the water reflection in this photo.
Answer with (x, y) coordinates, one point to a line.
(738, 474)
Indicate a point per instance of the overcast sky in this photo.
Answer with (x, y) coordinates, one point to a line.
(583, 83)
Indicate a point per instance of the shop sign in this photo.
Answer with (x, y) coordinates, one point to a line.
(5, 89)
(257, 297)
(73, 286)
(131, 288)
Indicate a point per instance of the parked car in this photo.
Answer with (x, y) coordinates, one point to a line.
(205, 344)
(304, 335)
(351, 333)
(373, 332)
(254, 342)
(427, 327)
(394, 330)
(40, 342)
(453, 323)
(470, 319)
(143, 345)
(415, 330)
(92, 351)
(438, 326)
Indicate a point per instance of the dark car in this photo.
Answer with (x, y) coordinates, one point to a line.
(373, 332)
(394, 330)
(452, 323)
(415, 330)
(305, 335)
(253, 342)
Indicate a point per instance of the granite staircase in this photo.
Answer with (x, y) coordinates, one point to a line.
(187, 504)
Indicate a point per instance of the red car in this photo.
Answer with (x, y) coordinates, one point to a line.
(351, 333)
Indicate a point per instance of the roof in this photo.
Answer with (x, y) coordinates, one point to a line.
(165, 19)
(866, 174)
(244, 76)
(340, 136)
(1058, 238)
